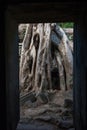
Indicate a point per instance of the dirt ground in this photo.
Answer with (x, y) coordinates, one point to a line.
(55, 113)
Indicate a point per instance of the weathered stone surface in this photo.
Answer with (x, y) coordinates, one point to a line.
(66, 124)
(52, 112)
(43, 126)
(44, 118)
(42, 98)
(27, 97)
(68, 103)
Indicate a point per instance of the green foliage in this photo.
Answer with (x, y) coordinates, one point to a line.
(66, 24)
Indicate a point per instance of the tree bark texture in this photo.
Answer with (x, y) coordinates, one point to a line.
(46, 61)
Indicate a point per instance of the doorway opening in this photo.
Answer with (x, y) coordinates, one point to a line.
(46, 75)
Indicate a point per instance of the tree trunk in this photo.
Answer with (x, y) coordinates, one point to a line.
(46, 61)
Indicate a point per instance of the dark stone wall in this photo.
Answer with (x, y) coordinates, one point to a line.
(80, 72)
(2, 71)
(9, 62)
(12, 72)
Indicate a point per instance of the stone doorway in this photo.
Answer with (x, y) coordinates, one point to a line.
(12, 90)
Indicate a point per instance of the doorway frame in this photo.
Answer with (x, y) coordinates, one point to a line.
(36, 13)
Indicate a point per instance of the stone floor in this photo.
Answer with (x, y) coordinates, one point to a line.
(44, 126)
(35, 127)
(56, 115)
